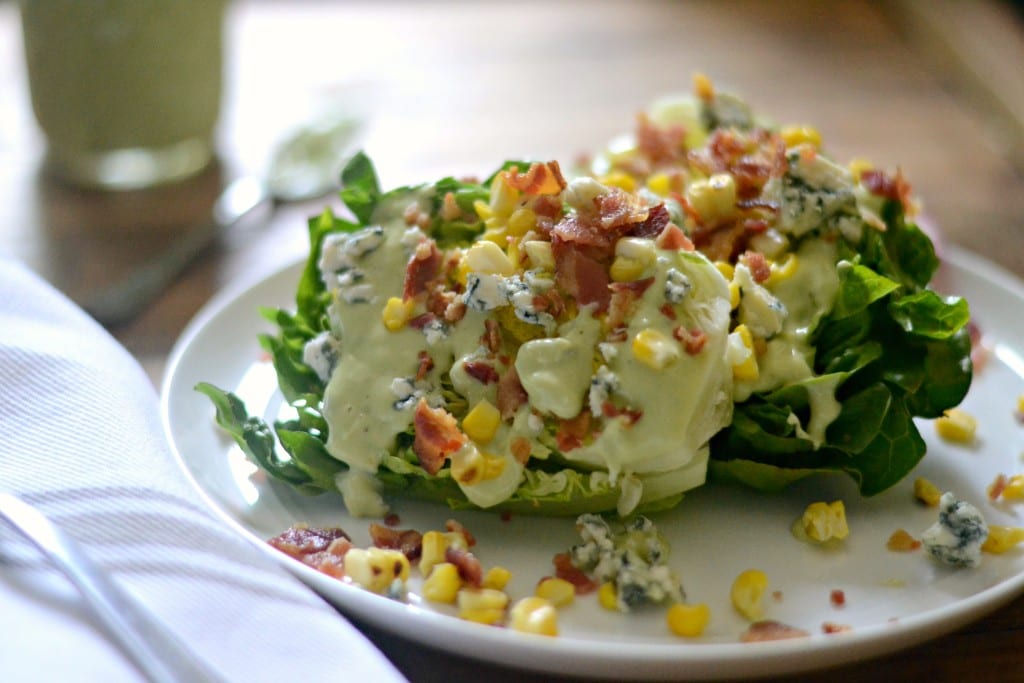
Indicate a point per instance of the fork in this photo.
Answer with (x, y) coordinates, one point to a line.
(160, 656)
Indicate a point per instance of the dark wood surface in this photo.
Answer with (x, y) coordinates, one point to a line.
(457, 87)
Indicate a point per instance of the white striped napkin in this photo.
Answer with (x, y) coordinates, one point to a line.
(80, 439)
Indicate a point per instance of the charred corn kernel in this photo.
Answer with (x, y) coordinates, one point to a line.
(655, 349)
(798, 135)
(376, 568)
(539, 253)
(488, 257)
(857, 168)
(497, 578)
(747, 593)
(688, 621)
(433, 547)
(534, 615)
(626, 269)
(1002, 538)
(659, 184)
(741, 354)
(780, 272)
(714, 199)
(702, 87)
(482, 605)
(620, 180)
(443, 584)
(468, 465)
(521, 222)
(1014, 489)
(956, 425)
(482, 209)
(558, 592)
(482, 422)
(607, 596)
(734, 295)
(824, 521)
(926, 492)
(726, 269)
(397, 313)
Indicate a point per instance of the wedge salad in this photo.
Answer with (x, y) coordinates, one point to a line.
(710, 296)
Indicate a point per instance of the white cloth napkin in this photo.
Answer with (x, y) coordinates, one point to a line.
(80, 438)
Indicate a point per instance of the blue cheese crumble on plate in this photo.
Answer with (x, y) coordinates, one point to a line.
(956, 538)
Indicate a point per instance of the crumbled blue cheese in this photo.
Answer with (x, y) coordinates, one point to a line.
(677, 286)
(635, 560)
(340, 254)
(608, 351)
(411, 237)
(436, 331)
(817, 193)
(602, 384)
(406, 393)
(321, 354)
(956, 538)
(523, 297)
(484, 292)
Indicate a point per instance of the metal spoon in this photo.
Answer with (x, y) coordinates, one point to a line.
(304, 166)
(157, 653)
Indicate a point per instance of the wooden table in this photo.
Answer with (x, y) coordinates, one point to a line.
(459, 87)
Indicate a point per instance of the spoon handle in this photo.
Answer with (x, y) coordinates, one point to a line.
(122, 300)
(149, 645)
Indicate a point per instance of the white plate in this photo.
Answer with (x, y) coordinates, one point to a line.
(893, 600)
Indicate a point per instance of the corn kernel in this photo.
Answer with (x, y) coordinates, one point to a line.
(497, 578)
(625, 269)
(659, 184)
(376, 568)
(607, 596)
(1020, 404)
(620, 180)
(655, 349)
(926, 492)
(956, 425)
(482, 210)
(503, 197)
(734, 296)
(741, 354)
(433, 547)
(483, 615)
(482, 605)
(726, 269)
(688, 621)
(857, 168)
(558, 592)
(798, 135)
(482, 422)
(1014, 489)
(783, 271)
(534, 615)
(747, 592)
(443, 584)
(487, 257)
(521, 222)
(494, 465)
(703, 87)
(539, 253)
(638, 249)
(713, 199)
(468, 465)
(1002, 538)
(397, 313)
(824, 521)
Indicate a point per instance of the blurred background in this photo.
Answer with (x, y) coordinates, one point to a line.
(935, 88)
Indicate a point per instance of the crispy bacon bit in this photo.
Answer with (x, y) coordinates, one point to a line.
(761, 631)
(667, 311)
(449, 207)
(548, 209)
(657, 143)
(882, 184)
(455, 527)
(539, 179)
(426, 365)
(424, 265)
(653, 225)
(618, 212)
(624, 296)
(618, 334)
(723, 244)
(520, 449)
(321, 549)
(439, 298)
(777, 596)
(830, 627)
(511, 393)
(693, 340)
(632, 415)
(567, 571)
(673, 237)
(505, 516)
(412, 213)
(392, 520)
(437, 436)
(422, 320)
(492, 335)
(579, 275)
(455, 311)
(571, 432)
(409, 541)
(998, 485)
(902, 542)
(758, 265)
(837, 597)
(481, 371)
(468, 565)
